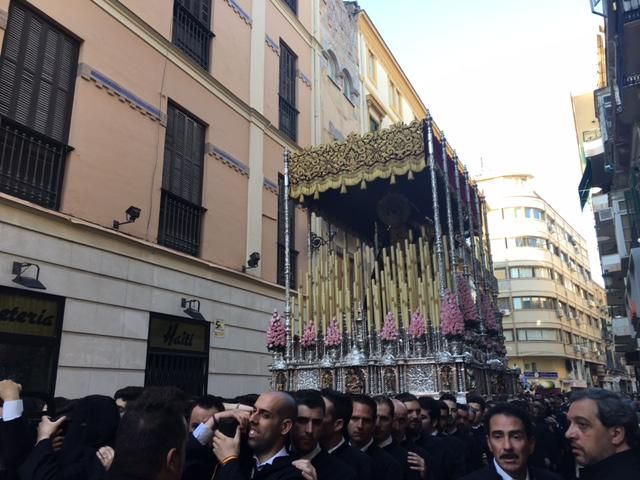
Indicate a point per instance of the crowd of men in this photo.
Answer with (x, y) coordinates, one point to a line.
(159, 433)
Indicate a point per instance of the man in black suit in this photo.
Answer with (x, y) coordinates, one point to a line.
(511, 441)
(268, 429)
(383, 436)
(361, 428)
(334, 430)
(604, 435)
(479, 455)
(305, 436)
(16, 436)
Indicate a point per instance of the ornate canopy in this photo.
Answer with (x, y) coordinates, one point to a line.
(397, 150)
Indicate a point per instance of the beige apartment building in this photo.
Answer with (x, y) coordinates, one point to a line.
(170, 117)
(554, 315)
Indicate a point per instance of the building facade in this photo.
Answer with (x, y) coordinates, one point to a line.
(141, 187)
(554, 314)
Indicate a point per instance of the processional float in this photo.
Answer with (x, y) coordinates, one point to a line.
(398, 293)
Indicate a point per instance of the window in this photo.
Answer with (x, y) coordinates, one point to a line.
(293, 5)
(521, 272)
(348, 85)
(534, 242)
(374, 126)
(508, 335)
(37, 80)
(293, 254)
(332, 62)
(559, 278)
(542, 272)
(371, 66)
(288, 117)
(394, 98)
(533, 303)
(534, 213)
(537, 335)
(504, 304)
(192, 29)
(500, 273)
(181, 201)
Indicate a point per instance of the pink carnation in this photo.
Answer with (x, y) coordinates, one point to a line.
(490, 322)
(467, 305)
(309, 336)
(452, 322)
(333, 337)
(389, 330)
(276, 335)
(416, 326)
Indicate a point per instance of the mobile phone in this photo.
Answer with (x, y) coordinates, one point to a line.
(228, 426)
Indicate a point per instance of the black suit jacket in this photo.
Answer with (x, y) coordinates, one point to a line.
(489, 473)
(280, 469)
(435, 471)
(442, 463)
(385, 467)
(619, 466)
(17, 438)
(200, 462)
(329, 467)
(360, 461)
(401, 454)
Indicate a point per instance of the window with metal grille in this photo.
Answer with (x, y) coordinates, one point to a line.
(293, 254)
(192, 29)
(293, 5)
(181, 202)
(288, 115)
(37, 80)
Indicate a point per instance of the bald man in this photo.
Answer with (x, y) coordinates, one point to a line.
(268, 429)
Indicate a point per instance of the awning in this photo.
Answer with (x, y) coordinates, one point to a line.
(584, 187)
(594, 176)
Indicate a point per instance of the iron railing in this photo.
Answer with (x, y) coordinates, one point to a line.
(293, 259)
(288, 119)
(191, 36)
(180, 224)
(31, 164)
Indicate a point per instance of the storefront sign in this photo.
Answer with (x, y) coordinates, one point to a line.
(541, 374)
(28, 315)
(173, 334)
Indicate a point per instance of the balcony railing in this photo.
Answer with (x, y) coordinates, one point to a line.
(288, 119)
(293, 258)
(191, 36)
(31, 164)
(180, 224)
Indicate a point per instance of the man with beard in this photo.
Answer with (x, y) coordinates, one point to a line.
(456, 454)
(435, 449)
(334, 429)
(269, 427)
(383, 435)
(479, 453)
(399, 432)
(305, 437)
(510, 439)
(604, 435)
(361, 428)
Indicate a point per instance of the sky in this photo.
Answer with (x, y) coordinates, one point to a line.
(497, 76)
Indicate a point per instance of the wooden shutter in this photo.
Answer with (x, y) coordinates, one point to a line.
(37, 73)
(183, 156)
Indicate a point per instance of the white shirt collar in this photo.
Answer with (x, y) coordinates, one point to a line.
(504, 475)
(366, 447)
(386, 442)
(312, 454)
(281, 453)
(331, 450)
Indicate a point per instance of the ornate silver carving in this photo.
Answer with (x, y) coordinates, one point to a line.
(436, 209)
(308, 379)
(421, 378)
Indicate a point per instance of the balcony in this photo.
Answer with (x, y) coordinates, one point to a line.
(191, 35)
(288, 119)
(180, 224)
(32, 165)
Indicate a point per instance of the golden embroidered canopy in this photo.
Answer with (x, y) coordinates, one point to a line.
(398, 150)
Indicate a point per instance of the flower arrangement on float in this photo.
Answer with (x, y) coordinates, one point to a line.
(276, 335)
(389, 331)
(332, 337)
(417, 328)
(451, 319)
(467, 305)
(309, 335)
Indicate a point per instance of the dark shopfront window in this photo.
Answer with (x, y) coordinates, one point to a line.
(178, 353)
(30, 326)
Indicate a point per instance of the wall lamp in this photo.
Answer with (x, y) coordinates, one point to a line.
(133, 213)
(253, 262)
(192, 308)
(19, 268)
